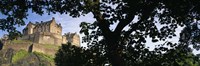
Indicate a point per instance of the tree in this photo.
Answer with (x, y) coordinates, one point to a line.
(71, 55)
(190, 35)
(129, 36)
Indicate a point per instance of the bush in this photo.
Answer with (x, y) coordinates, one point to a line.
(44, 56)
(19, 55)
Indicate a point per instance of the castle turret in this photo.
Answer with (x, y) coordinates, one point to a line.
(73, 38)
(49, 32)
(29, 28)
(53, 18)
(54, 27)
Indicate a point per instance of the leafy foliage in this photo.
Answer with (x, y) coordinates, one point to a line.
(190, 35)
(71, 55)
(161, 56)
(124, 44)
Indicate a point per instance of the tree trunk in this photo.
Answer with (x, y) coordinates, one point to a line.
(116, 59)
(114, 51)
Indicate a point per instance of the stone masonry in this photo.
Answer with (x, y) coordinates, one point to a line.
(48, 32)
(44, 37)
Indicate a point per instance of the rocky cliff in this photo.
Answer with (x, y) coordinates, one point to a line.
(10, 57)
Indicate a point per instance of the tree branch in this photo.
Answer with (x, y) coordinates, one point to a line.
(124, 22)
(102, 23)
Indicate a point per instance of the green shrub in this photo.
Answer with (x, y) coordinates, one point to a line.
(44, 56)
(19, 55)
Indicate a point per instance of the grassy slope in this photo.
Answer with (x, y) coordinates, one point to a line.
(22, 54)
(44, 56)
(19, 55)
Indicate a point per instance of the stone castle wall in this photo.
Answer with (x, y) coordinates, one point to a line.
(49, 38)
(55, 28)
(72, 38)
(44, 37)
(44, 33)
(30, 28)
(64, 40)
(76, 40)
(17, 47)
(31, 47)
(49, 26)
(50, 49)
(41, 28)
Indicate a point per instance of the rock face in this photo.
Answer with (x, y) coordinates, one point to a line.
(6, 57)
(32, 59)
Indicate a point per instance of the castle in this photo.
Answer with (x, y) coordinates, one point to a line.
(48, 32)
(44, 37)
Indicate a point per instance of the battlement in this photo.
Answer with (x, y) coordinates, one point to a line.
(48, 26)
(48, 32)
(44, 37)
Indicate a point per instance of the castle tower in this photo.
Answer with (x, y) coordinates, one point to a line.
(28, 29)
(54, 27)
(73, 38)
(48, 32)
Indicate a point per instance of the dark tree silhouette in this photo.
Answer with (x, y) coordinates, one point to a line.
(124, 44)
(75, 56)
(190, 35)
(69, 55)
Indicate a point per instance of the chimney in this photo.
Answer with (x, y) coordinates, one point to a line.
(29, 22)
(53, 18)
(59, 24)
(37, 22)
